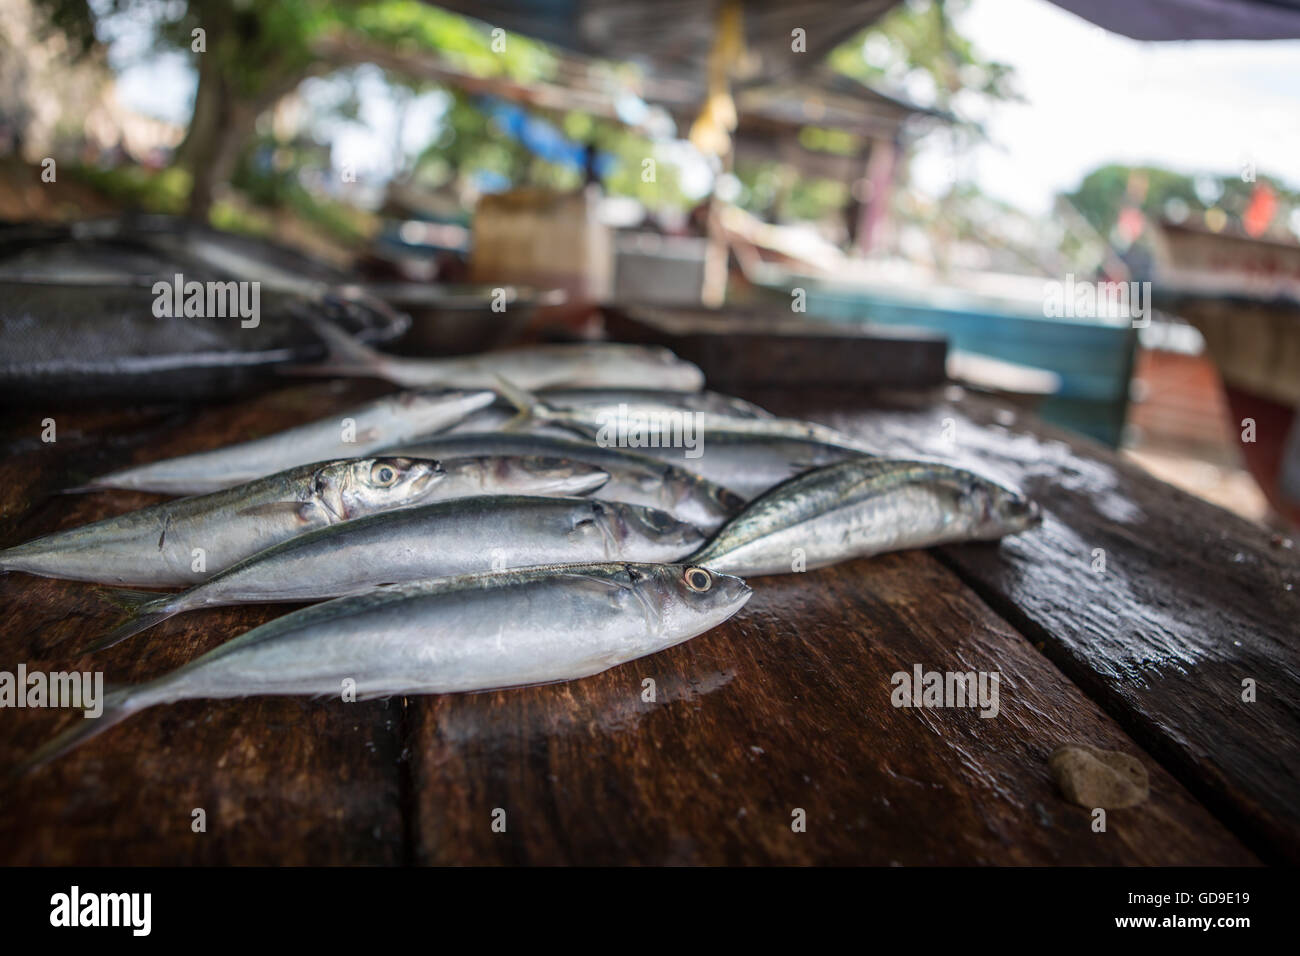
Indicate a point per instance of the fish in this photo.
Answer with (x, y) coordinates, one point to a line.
(750, 464)
(863, 507)
(569, 365)
(184, 542)
(498, 419)
(502, 414)
(349, 434)
(447, 635)
(624, 425)
(446, 538)
(703, 401)
(635, 479)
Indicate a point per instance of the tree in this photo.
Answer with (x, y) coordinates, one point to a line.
(249, 55)
(1161, 194)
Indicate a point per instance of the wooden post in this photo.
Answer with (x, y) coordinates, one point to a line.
(713, 289)
(879, 176)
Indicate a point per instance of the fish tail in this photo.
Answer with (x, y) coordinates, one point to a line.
(83, 489)
(526, 405)
(119, 704)
(346, 355)
(144, 610)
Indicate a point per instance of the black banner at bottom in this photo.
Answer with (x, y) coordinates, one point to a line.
(344, 907)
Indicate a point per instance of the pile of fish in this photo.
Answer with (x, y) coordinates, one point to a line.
(511, 518)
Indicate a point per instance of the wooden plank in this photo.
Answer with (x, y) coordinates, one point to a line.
(788, 707)
(281, 780)
(772, 348)
(1192, 601)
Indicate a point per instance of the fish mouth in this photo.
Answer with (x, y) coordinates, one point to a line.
(424, 482)
(1024, 513)
(735, 591)
(582, 483)
(743, 592)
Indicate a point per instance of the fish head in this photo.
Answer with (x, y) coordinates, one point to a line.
(522, 475)
(675, 373)
(690, 599)
(363, 486)
(651, 534)
(994, 511)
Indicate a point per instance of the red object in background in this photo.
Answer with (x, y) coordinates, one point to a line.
(1131, 222)
(1263, 207)
(1263, 456)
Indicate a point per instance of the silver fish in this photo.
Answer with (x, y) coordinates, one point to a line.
(634, 479)
(750, 464)
(446, 538)
(577, 365)
(503, 419)
(503, 414)
(624, 425)
(863, 507)
(369, 427)
(705, 401)
(467, 633)
(184, 542)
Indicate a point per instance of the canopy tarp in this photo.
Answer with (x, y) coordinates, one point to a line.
(1193, 19)
(673, 38)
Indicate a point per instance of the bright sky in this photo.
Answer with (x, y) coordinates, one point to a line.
(1092, 98)
(1095, 97)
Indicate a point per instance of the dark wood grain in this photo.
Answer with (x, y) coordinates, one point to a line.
(738, 349)
(788, 706)
(785, 706)
(1192, 600)
(281, 780)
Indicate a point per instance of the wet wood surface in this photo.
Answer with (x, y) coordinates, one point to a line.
(1157, 605)
(785, 708)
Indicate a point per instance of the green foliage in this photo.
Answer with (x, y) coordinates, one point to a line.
(411, 26)
(775, 191)
(918, 37)
(629, 151)
(1161, 194)
(135, 187)
(836, 141)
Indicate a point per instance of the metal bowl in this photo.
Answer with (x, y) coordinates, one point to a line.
(461, 319)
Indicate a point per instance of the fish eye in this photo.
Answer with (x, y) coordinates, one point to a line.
(697, 579)
(382, 474)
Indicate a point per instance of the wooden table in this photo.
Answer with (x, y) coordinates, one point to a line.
(784, 708)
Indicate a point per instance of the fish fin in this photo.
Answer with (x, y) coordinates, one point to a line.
(346, 355)
(130, 600)
(526, 405)
(117, 707)
(84, 489)
(144, 610)
(503, 687)
(273, 508)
